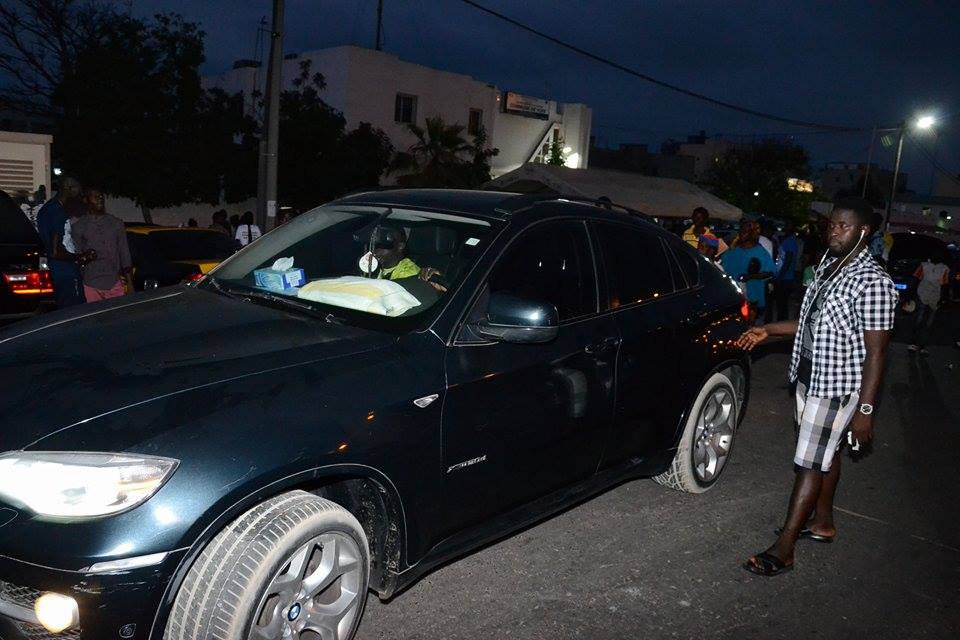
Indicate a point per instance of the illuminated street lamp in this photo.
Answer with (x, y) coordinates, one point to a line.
(923, 123)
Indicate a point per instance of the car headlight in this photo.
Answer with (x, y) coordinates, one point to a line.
(77, 485)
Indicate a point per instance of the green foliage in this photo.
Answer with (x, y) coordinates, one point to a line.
(442, 158)
(556, 154)
(318, 159)
(135, 119)
(763, 168)
(130, 114)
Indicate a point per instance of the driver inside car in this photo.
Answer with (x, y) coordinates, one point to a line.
(390, 250)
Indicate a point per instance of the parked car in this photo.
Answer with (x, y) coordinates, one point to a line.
(906, 254)
(25, 284)
(164, 256)
(223, 460)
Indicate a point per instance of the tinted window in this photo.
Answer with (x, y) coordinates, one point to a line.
(550, 262)
(689, 264)
(14, 226)
(192, 245)
(635, 264)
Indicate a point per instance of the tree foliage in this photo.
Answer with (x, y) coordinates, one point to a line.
(442, 157)
(763, 168)
(556, 154)
(319, 159)
(124, 97)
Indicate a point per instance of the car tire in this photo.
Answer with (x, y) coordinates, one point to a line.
(708, 435)
(274, 569)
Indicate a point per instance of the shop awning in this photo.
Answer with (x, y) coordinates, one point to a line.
(659, 197)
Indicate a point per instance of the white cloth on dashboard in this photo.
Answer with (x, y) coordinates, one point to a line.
(382, 297)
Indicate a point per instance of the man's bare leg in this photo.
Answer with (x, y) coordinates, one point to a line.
(806, 491)
(822, 523)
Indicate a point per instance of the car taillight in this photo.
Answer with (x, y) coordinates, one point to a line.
(29, 283)
(745, 309)
(193, 277)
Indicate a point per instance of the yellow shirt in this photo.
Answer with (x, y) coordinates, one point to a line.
(406, 268)
(693, 239)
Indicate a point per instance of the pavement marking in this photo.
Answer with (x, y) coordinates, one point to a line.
(890, 524)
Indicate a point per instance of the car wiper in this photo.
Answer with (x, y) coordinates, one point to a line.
(220, 289)
(270, 297)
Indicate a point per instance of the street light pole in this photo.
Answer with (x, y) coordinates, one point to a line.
(267, 177)
(896, 175)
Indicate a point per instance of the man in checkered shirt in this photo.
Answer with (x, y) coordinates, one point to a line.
(839, 350)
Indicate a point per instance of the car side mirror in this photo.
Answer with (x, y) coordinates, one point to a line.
(520, 320)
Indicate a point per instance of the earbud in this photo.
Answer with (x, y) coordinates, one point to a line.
(863, 232)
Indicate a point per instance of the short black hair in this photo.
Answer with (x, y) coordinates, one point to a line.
(702, 210)
(862, 210)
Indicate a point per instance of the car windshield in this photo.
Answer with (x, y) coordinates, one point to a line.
(192, 244)
(358, 262)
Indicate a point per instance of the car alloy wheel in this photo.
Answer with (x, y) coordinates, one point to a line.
(317, 594)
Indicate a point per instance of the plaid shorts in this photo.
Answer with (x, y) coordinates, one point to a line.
(821, 426)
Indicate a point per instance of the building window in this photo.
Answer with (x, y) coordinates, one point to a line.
(405, 109)
(475, 121)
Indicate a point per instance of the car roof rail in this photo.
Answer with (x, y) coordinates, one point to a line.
(524, 201)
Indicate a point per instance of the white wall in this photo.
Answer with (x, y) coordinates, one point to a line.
(24, 162)
(363, 84)
(128, 211)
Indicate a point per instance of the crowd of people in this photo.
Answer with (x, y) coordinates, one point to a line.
(767, 262)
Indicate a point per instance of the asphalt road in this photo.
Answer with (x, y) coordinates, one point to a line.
(641, 561)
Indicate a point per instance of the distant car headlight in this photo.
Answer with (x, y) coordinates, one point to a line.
(78, 485)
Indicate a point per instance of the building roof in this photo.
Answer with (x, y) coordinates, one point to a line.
(658, 197)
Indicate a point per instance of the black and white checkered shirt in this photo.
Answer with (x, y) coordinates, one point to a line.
(860, 297)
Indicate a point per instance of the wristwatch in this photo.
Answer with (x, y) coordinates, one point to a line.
(866, 409)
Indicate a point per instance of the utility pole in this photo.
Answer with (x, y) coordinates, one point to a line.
(866, 174)
(378, 45)
(269, 144)
(896, 174)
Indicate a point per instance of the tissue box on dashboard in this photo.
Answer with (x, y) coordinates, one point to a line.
(279, 280)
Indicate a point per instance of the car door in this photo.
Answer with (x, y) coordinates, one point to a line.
(639, 283)
(521, 420)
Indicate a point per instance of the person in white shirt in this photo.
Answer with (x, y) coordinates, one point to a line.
(247, 232)
(932, 275)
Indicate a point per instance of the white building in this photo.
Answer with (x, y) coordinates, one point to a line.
(379, 88)
(24, 163)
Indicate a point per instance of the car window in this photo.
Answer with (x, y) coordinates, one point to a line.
(688, 262)
(367, 265)
(550, 262)
(199, 244)
(635, 264)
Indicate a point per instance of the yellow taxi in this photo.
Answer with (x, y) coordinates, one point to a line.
(164, 256)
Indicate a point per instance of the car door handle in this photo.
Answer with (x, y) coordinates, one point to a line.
(604, 344)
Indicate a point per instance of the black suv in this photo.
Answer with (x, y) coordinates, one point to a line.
(246, 456)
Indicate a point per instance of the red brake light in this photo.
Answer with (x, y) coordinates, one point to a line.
(193, 277)
(745, 309)
(29, 282)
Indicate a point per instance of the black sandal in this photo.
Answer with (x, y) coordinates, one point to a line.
(770, 565)
(807, 534)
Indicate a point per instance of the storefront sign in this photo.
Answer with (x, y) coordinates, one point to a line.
(526, 106)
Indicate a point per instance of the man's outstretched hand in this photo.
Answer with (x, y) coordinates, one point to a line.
(751, 338)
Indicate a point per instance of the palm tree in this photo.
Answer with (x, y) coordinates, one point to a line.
(441, 156)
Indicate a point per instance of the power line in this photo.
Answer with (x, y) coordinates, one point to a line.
(952, 175)
(661, 83)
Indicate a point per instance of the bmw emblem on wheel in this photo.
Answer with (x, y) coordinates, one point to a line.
(294, 612)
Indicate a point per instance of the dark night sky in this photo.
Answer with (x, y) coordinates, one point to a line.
(856, 64)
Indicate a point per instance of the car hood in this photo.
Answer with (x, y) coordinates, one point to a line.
(69, 367)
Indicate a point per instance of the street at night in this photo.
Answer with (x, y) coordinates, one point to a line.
(462, 319)
(640, 561)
